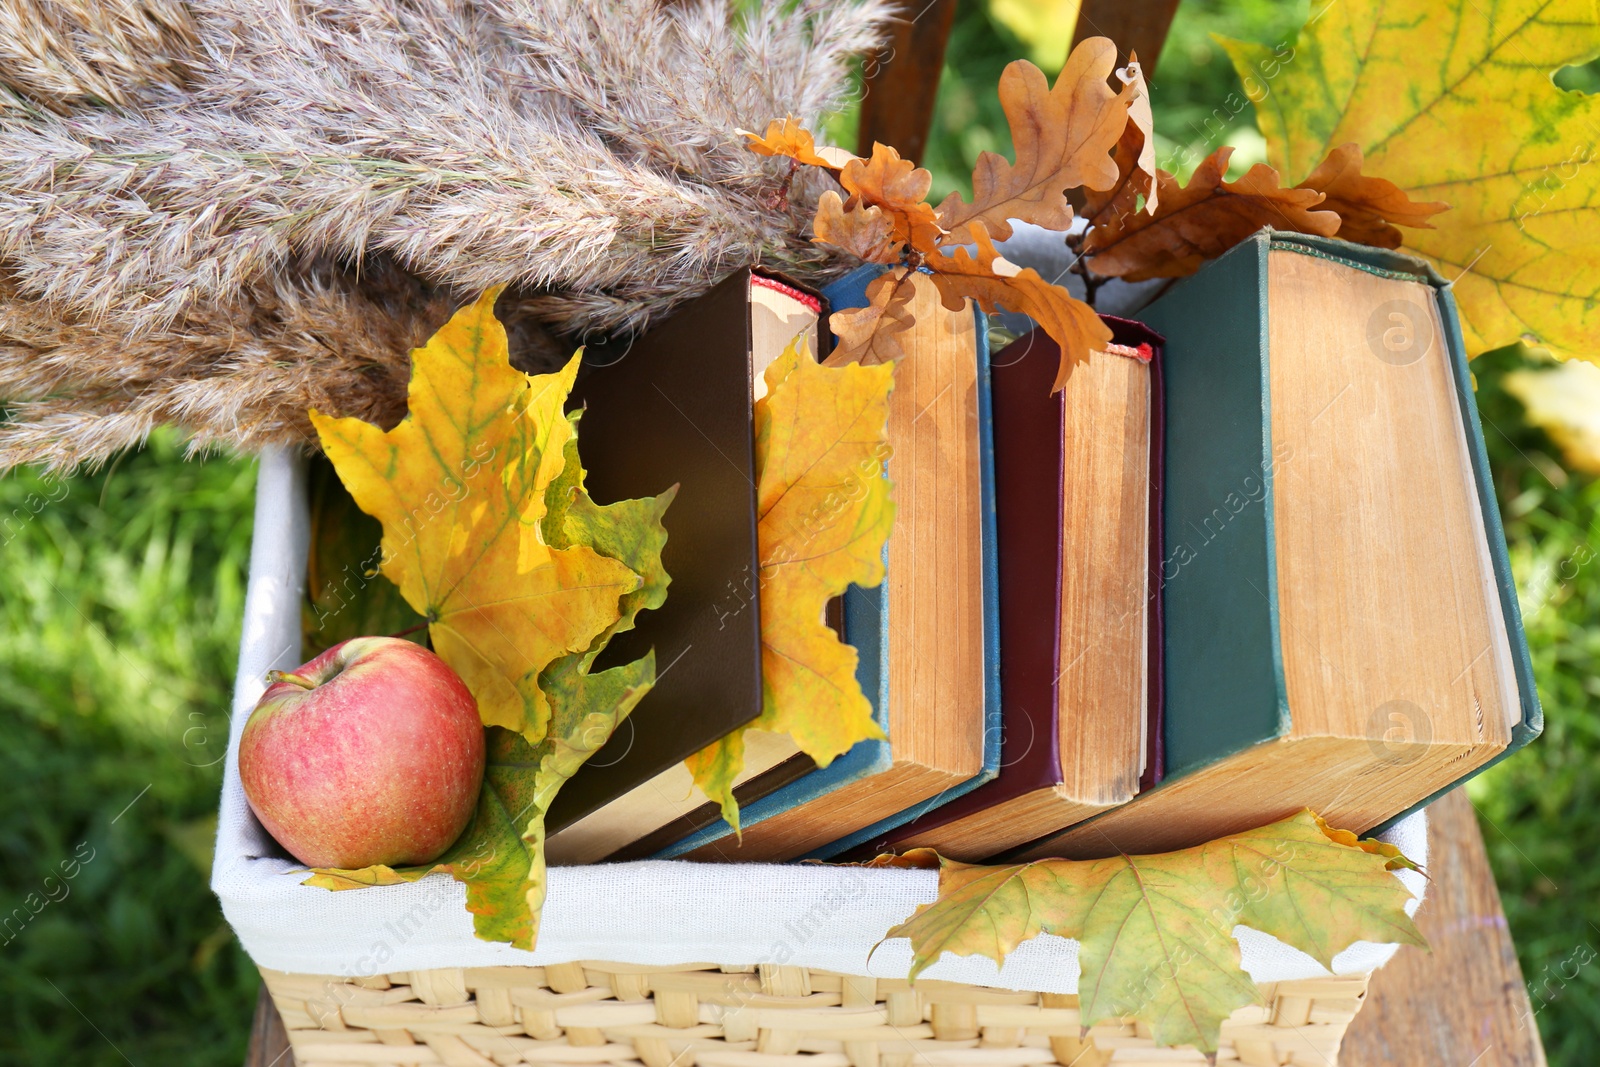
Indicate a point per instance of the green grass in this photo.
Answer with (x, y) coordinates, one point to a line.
(121, 609)
(120, 602)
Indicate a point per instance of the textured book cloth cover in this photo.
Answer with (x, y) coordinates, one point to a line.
(866, 626)
(1028, 441)
(674, 407)
(1224, 670)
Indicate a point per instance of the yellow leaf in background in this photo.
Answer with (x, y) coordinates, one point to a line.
(1564, 401)
(1045, 26)
(823, 514)
(1453, 100)
(1155, 933)
(459, 486)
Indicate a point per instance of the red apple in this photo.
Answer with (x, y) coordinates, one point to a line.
(370, 753)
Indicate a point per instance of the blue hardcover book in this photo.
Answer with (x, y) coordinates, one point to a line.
(946, 657)
(1341, 625)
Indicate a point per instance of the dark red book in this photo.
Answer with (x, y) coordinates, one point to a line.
(1078, 511)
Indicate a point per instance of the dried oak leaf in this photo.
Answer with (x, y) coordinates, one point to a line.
(1454, 99)
(1201, 221)
(900, 188)
(823, 514)
(1155, 933)
(871, 334)
(1141, 164)
(1137, 178)
(786, 137)
(1369, 208)
(993, 281)
(915, 859)
(1062, 136)
(864, 231)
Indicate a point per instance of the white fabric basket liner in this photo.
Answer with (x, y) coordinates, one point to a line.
(648, 913)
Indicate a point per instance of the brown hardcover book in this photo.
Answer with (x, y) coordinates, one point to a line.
(675, 406)
(1342, 631)
(934, 652)
(1077, 477)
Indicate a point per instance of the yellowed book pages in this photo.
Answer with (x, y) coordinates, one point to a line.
(1103, 655)
(1397, 664)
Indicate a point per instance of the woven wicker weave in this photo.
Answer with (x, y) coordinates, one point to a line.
(767, 1016)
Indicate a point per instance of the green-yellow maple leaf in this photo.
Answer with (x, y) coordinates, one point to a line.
(823, 516)
(1452, 100)
(345, 595)
(1155, 933)
(499, 856)
(459, 486)
(524, 467)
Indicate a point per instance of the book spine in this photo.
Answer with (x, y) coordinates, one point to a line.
(1137, 335)
(1223, 666)
(993, 729)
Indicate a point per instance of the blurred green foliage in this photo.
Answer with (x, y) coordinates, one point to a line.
(121, 595)
(1540, 810)
(120, 613)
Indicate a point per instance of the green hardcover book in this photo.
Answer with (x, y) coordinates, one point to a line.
(1341, 626)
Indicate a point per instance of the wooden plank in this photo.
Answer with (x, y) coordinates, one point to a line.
(269, 1041)
(1465, 1002)
(1135, 25)
(902, 81)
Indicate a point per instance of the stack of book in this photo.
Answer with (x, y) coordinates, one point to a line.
(925, 637)
(1247, 561)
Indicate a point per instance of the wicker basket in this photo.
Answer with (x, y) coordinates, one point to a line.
(602, 1013)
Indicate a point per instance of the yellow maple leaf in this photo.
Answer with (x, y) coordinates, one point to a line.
(459, 486)
(823, 513)
(489, 529)
(1155, 933)
(1564, 401)
(1452, 100)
